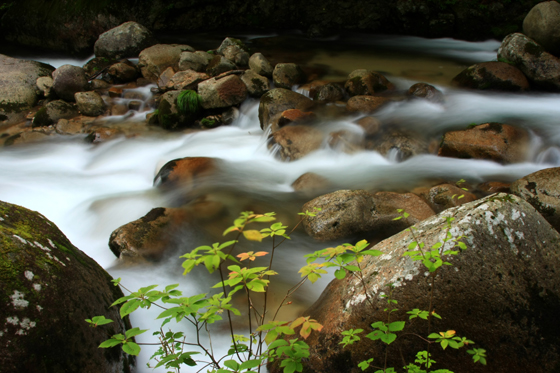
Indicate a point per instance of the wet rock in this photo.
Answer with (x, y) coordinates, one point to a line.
(219, 65)
(122, 72)
(363, 82)
(155, 59)
(295, 116)
(169, 116)
(310, 182)
(45, 85)
(542, 24)
(53, 111)
(68, 127)
(366, 104)
(67, 80)
(444, 196)
(257, 85)
(346, 141)
(330, 92)
(186, 174)
(398, 145)
(224, 92)
(102, 134)
(542, 190)
(286, 75)
(259, 64)
(188, 79)
(425, 91)
(278, 100)
(493, 141)
(90, 103)
(491, 187)
(370, 125)
(193, 61)
(18, 87)
(237, 55)
(49, 287)
(295, 142)
(126, 40)
(151, 237)
(540, 67)
(211, 121)
(505, 277)
(27, 137)
(498, 76)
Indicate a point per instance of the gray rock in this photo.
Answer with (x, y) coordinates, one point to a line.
(126, 40)
(542, 24)
(67, 80)
(259, 64)
(188, 79)
(18, 87)
(275, 101)
(225, 92)
(504, 284)
(229, 42)
(49, 287)
(194, 61)
(122, 72)
(286, 75)
(219, 65)
(237, 55)
(257, 85)
(540, 67)
(542, 190)
(329, 92)
(52, 112)
(155, 59)
(45, 85)
(90, 103)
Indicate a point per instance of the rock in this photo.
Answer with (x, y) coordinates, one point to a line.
(90, 103)
(310, 182)
(491, 187)
(45, 85)
(237, 55)
(126, 40)
(151, 237)
(169, 116)
(398, 145)
(225, 92)
(53, 111)
(67, 80)
(498, 76)
(540, 67)
(122, 72)
(24, 138)
(295, 142)
(68, 127)
(330, 92)
(343, 213)
(347, 141)
(257, 85)
(363, 82)
(498, 142)
(211, 121)
(278, 100)
(366, 104)
(49, 287)
(425, 91)
(295, 116)
(541, 189)
(188, 79)
(165, 78)
(231, 42)
(186, 174)
(542, 24)
(286, 75)
(155, 59)
(18, 87)
(102, 134)
(259, 64)
(193, 61)
(97, 65)
(505, 279)
(370, 125)
(444, 196)
(98, 84)
(219, 65)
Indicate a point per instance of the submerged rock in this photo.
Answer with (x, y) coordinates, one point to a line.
(501, 292)
(49, 287)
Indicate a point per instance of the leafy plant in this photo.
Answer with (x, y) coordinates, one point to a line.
(189, 102)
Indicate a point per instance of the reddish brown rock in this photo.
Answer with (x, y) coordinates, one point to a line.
(494, 75)
(295, 142)
(295, 116)
(493, 141)
(225, 92)
(491, 187)
(366, 104)
(185, 172)
(425, 91)
(310, 182)
(444, 196)
(187, 79)
(364, 82)
(278, 100)
(370, 125)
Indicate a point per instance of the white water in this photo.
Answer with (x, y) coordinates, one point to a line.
(90, 190)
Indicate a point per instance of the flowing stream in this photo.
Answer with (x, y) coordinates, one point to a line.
(90, 190)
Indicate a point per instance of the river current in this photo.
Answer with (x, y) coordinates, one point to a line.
(90, 190)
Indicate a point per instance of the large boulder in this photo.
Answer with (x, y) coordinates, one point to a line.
(494, 141)
(542, 190)
(501, 292)
(18, 87)
(154, 60)
(296, 141)
(277, 100)
(542, 24)
(69, 79)
(498, 76)
(49, 287)
(221, 93)
(540, 67)
(126, 40)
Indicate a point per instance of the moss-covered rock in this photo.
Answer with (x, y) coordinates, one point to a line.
(49, 287)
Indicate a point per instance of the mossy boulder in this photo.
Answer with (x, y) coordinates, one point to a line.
(49, 287)
(126, 40)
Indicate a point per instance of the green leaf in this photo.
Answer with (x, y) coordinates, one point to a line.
(134, 332)
(131, 348)
(232, 364)
(110, 343)
(340, 274)
(249, 364)
(129, 307)
(389, 338)
(396, 326)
